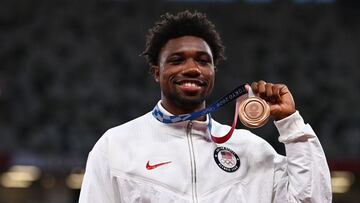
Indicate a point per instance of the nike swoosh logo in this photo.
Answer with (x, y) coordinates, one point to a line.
(151, 167)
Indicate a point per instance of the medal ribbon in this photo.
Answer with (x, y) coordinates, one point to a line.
(234, 94)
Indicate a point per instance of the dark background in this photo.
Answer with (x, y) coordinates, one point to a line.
(71, 69)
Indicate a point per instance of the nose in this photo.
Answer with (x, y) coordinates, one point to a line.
(191, 69)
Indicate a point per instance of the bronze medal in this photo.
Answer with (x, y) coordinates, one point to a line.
(254, 112)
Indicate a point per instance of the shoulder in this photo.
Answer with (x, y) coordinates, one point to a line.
(132, 125)
(123, 131)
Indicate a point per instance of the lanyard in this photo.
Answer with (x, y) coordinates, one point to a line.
(232, 95)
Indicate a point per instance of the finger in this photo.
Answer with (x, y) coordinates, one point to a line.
(247, 87)
(276, 92)
(283, 89)
(268, 90)
(270, 93)
(254, 87)
(262, 89)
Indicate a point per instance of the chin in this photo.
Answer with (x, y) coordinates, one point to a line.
(189, 102)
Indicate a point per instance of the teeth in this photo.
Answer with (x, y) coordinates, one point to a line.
(189, 84)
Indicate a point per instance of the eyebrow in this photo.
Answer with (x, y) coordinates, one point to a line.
(198, 52)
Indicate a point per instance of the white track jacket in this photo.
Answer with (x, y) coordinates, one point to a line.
(146, 161)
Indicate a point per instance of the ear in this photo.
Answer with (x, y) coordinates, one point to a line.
(155, 72)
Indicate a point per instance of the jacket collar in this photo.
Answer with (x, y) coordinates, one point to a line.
(198, 127)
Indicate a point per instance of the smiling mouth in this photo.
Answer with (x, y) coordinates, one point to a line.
(191, 83)
(191, 86)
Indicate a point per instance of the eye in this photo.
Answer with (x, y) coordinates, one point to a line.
(204, 60)
(175, 60)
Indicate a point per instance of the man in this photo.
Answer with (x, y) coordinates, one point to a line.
(150, 160)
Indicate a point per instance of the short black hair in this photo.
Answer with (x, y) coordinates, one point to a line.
(183, 23)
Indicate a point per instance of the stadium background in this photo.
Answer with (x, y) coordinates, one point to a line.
(71, 69)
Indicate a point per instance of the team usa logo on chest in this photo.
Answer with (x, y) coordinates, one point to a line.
(226, 159)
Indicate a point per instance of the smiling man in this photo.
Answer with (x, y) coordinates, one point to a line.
(170, 153)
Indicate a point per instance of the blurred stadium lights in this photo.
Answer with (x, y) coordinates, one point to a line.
(341, 181)
(20, 176)
(74, 180)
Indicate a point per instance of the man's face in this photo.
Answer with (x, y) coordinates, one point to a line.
(185, 73)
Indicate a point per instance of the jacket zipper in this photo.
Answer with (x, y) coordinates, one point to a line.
(192, 162)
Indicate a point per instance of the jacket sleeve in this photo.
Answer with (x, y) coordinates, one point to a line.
(303, 175)
(98, 186)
